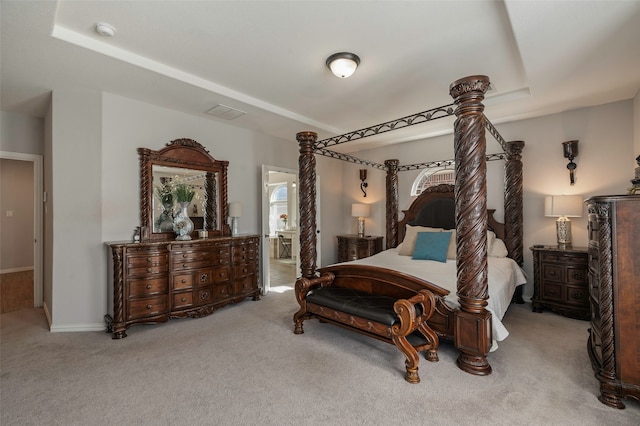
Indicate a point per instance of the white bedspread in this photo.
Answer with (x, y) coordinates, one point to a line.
(504, 275)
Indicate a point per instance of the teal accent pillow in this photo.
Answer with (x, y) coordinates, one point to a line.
(432, 246)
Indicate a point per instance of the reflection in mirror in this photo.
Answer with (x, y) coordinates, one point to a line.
(182, 161)
(164, 205)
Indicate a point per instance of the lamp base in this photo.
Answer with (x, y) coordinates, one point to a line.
(234, 226)
(563, 231)
(361, 227)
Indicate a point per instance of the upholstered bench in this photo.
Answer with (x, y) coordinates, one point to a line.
(384, 309)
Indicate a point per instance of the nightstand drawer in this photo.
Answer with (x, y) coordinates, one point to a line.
(576, 295)
(552, 292)
(577, 275)
(552, 273)
(561, 277)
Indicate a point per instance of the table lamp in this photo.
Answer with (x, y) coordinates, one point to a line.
(563, 207)
(360, 211)
(235, 211)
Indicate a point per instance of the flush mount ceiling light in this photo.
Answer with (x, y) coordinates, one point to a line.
(343, 64)
(105, 29)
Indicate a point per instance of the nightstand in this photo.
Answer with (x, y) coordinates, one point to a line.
(560, 280)
(352, 247)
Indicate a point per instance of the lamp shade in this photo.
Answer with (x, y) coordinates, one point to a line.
(563, 206)
(235, 210)
(360, 210)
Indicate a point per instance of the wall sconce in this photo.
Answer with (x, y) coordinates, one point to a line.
(570, 150)
(343, 64)
(563, 207)
(363, 181)
(235, 211)
(360, 211)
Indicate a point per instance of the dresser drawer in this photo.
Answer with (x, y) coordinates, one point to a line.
(182, 281)
(243, 285)
(147, 263)
(189, 265)
(221, 274)
(220, 291)
(242, 271)
(204, 296)
(148, 287)
(244, 253)
(182, 300)
(141, 308)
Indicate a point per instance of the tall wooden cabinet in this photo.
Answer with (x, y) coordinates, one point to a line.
(614, 295)
(155, 281)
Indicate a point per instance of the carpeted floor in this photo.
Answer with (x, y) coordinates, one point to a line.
(244, 366)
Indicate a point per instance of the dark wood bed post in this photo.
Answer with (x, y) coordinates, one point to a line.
(307, 203)
(392, 202)
(473, 323)
(513, 206)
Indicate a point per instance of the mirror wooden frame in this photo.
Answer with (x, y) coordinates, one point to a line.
(186, 154)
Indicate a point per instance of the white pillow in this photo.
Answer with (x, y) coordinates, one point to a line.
(491, 241)
(410, 235)
(499, 249)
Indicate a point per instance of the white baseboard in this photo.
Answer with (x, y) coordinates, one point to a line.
(47, 314)
(78, 327)
(12, 270)
(71, 327)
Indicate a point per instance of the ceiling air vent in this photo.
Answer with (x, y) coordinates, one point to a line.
(225, 112)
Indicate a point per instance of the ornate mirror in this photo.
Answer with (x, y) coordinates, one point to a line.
(182, 161)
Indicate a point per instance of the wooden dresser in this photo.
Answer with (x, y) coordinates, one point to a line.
(614, 287)
(155, 281)
(560, 280)
(352, 247)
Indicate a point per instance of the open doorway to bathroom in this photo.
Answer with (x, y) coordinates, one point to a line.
(280, 227)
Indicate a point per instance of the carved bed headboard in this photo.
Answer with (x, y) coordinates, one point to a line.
(436, 208)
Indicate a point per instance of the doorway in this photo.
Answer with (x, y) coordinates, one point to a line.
(280, 246)
(21, 284)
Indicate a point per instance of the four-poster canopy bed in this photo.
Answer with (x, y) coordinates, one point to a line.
(469, 325)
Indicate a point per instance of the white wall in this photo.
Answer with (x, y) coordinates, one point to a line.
(604, 167)
(21, 133)
(74, 205)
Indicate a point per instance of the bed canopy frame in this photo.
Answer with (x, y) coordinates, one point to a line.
(473, 321)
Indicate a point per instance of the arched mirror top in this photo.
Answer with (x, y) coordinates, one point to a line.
(182, 161)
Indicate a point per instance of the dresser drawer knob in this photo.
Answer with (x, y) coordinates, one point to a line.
(149, 269)
(184, 265)
(149, 306)
(148, 286)
(184, 299)
(183, 281)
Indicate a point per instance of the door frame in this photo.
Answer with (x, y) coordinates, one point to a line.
(266, 268)
(38, 206)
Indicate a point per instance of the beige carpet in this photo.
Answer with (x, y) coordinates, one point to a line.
(244, 366)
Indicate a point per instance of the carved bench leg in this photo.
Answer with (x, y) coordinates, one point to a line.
(298, 318)
(411, 364)
(432, 337)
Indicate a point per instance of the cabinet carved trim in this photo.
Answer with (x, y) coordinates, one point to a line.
(614, 296)
(155, 281)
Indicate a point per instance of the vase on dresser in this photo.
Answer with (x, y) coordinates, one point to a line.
(182, 223)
